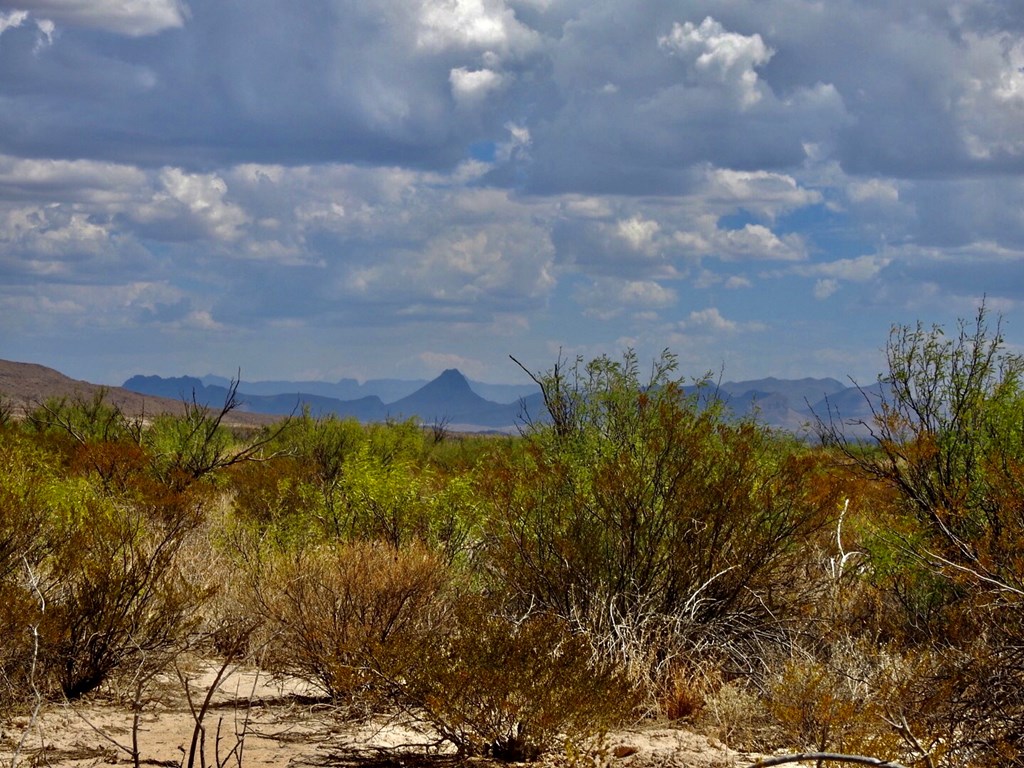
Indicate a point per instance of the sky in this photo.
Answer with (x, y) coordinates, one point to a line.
(390, 188)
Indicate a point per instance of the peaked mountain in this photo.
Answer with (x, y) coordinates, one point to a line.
(451, 399)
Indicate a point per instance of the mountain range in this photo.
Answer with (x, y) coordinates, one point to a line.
(453, 400)
(450, 399)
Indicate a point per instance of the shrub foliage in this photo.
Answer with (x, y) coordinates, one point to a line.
(636, 551)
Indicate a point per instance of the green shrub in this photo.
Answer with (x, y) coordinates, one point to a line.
(651, 521)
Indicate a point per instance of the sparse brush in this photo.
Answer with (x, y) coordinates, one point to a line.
(339, 613)
(513, 689)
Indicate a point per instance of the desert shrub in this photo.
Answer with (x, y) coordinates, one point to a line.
(338, 480)
(85, 420)
(947, 444)
(89, 545)
(373, 626)
(514, 689)
(115, 595)
(28, 485)
(343, 614)
(652, 521)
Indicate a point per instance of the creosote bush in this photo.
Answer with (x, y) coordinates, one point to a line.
(343, 616)
(653, 522)
(513, 689)
(377, 627)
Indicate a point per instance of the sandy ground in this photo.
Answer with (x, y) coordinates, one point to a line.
(286, 726)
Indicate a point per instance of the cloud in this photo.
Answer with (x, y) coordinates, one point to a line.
(127, 17)
(752, 242)
(762, 192)
(638, 233)
(858, 269)
(472, 86)
(873, 190)
(824, 288)
(12, 20)
(711, 319)
(607, 298)
(475, 168)
(474, 24)
(736, 282)
(719, 56)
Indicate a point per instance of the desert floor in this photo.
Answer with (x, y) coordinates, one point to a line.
(285, 725)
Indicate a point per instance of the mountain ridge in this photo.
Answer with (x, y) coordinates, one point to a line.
(449, 399)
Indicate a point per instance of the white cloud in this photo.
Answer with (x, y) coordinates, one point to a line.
(711, 319)
(859, 269)
(873, 190)
(990, 107)
(472, 86)
(824, 288)
(762, 192)
(737, 281)
(51, 236)
(638, 233)
(202, 195)
(127, 17)
(719, 56)
(12, 20)
(517, 147)
(70, 180)
(587, 207)
(751, 242)
(473, 24)
(607, 297)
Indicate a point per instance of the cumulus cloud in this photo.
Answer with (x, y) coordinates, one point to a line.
(12, 20)
(474, 24)
(719, 56)
(991, 103)
(607, 298)
(202, 198)
(763, 192)
(711, 319)
(638, 233)
(472, 86)
(752, 242)
(873, 190)
(474, 161)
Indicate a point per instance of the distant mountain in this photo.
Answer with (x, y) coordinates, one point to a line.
(28, 384)
(448, 399)
(797, 391)
(213, 395)
(452, 399)
(388, 390)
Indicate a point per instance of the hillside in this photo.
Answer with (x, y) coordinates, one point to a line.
(26, 385)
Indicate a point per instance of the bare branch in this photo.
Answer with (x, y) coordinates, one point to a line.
(825, 757)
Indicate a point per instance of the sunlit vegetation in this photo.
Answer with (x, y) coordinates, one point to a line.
(639, 555)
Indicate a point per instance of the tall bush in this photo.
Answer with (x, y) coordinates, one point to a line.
(647, 516)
